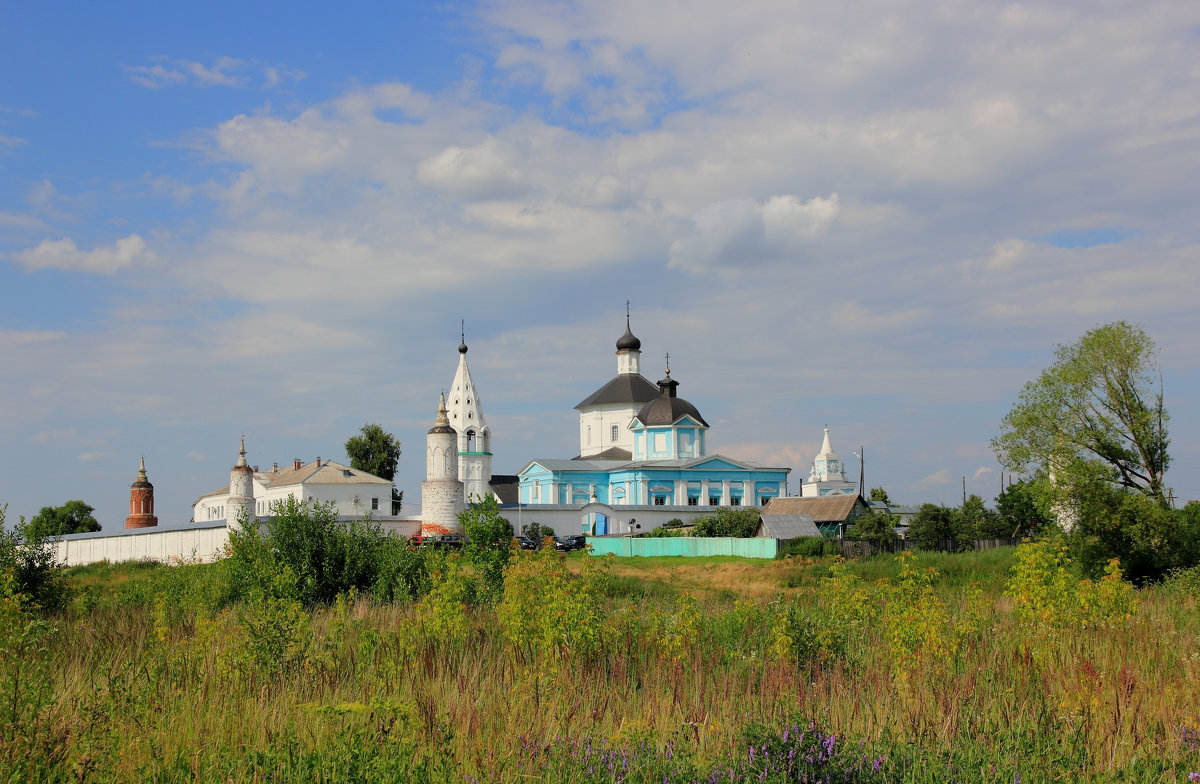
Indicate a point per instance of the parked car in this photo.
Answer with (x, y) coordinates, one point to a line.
(568, 543)
(529, 544)
(419, 540)
(449, 541)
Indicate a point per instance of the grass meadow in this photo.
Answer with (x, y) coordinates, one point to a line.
(996, 666)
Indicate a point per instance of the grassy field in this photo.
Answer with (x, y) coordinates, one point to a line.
(976, 667)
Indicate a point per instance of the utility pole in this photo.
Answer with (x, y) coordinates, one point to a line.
(964, 489)
(862, 462)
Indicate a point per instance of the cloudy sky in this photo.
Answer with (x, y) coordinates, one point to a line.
(220, 219)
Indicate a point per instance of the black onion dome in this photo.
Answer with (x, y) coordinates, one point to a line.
(628, 342)
(462, 347)
(667, 408)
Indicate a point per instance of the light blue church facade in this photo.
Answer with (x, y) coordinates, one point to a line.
(643, 451)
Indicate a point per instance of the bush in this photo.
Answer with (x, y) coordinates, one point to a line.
(735, 523)
(809, 547)
(27, 563)
(324, 556)
(1149, 540)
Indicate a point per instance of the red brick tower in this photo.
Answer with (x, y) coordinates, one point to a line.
(141, 502)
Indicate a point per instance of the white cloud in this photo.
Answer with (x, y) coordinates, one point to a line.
(65, 255)
(742, 232)
(982, 471)
(488, 170)
(89, 457)
(939, 477)
(222, 72)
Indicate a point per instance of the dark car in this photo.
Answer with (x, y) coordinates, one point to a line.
(568, 543)
(529, 544)
(449, 541)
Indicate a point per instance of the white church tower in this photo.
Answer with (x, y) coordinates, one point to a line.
(441, 492)
(474, 437)
(827, 477)
(606, 416)
(240, 504)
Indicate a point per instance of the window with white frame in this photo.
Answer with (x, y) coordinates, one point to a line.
(615, 432)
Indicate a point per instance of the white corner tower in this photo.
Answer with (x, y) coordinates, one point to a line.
(240, 504)
(827, 477)
(474, 437)
(441, 492)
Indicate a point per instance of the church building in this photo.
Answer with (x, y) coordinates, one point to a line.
(641, 447)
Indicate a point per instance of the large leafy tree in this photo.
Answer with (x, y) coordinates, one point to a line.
(1099, 407)
(1017, 508)
(377, 452)
(73, 517)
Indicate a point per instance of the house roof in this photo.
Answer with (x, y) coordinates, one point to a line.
(787, 526)
(328, 473)
(594, 464)
(612, 453)
(829, 509)
(625, 388)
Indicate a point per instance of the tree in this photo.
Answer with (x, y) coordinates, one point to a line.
(377, 452)
(73, 517)
(28, 569)
(879, 494)
(977, 521)
(1096, 404)
(873, 527)
(934, 527)
(1017, 509)
(489, 539)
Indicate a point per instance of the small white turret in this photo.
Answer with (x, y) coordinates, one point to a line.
(239, 507)
(441, 493)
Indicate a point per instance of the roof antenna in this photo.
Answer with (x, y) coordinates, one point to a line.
(626, 314)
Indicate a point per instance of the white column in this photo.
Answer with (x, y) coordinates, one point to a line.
(644, 489)
(724, 492)
(704, 491)
(748, 494)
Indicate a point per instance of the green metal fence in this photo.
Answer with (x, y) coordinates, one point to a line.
(683, 546)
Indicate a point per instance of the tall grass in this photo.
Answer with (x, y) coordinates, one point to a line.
(917, 677)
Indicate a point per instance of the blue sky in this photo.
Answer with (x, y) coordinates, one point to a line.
(881, 217)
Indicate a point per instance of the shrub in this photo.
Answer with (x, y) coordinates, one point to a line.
(737, 523)
(323, 555)
(1046, 592)
(33, 573)
(934, 527)
(808, 547)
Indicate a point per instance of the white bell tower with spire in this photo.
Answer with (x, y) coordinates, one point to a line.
(828, 476)
(474, 436)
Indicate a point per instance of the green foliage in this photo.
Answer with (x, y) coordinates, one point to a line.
(537, 531)
(548, 611)
(377, 452)
(73, 517)
(874, 527)
(1148, 539)
(324, 556)
(1018, 510)
(736, 523)
(402, 572)
(1046, 591)
(934, 527)
(976, 521)
(489, 539)
(27, 563)
(809, 547)
(1097, 402)
(879, 494)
